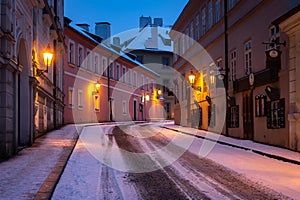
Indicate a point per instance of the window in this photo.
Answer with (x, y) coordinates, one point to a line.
(248, 57)
(88, 60)
(111, 70)
(203, 20)
(123, 74)
(210, 14)
(218, 10)
(142, 82)
(165, 61)
(80, 99)
(104, 66)
(129, 76)
(192, 33)
(71, 53)
(117, 71)
(134, 79)
(232, 3)
(197, 27)
(96, 64)
(124, 107)
(234, 116)
(140, 59)
(80, 56)
(147, 84)
(275, 112)
(233, 64)
(71, 97)
(260, 105)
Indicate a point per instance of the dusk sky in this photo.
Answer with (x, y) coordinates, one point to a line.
(122, 15)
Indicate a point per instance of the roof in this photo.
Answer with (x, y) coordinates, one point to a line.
(142, 39)
(286, 15)
(98, 41)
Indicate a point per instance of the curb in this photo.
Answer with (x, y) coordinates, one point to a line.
(281, 158)
(47, 188)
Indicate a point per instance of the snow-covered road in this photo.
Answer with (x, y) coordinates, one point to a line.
(149, 162)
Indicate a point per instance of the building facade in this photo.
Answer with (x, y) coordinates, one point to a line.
(31, 96)
(247, 57)
(103, 84)
(152, 46)
(290, 25)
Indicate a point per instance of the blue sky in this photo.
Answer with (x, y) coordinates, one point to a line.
(122, 14)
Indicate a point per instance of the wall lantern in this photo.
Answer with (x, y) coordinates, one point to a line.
(221, 73)
(192, 78)
(97, 87)
(48, 56)
(158, 92)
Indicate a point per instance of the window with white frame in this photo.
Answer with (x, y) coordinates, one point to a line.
(218, 10)
(197, 27)
(117, 71)
(71, 52)
(71, 97)
(134, 78)
(123, 74)
(233, 56)
(129, 76)
(88, 60)
(124, 107)
(80, 99)
(210, 14)
(96, 64)
(248, 57)
(80, 55)
(203, 20)
(104, 66)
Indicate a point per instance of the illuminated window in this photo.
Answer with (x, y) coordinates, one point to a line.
(80, 99)
(71, 97)
(96, 103)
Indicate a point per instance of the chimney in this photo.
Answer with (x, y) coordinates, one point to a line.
(152, 43)
(158, 22)
(144, 21)
(84, 26)
(117, 41)
(102, 29)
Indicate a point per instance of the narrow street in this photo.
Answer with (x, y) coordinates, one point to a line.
(147, 162)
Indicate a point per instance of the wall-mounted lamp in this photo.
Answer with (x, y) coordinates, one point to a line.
(221, 73)
(97, 87)
(147, 97)
(192, 78)
(158, 92)
(48, 56)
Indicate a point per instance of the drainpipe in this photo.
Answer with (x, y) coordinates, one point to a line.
(226, 64)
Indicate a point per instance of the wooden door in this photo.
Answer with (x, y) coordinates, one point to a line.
(248, 115)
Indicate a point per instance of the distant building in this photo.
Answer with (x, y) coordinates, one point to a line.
(102, 83)
(153, 47)
(255, 75)
(31, 93)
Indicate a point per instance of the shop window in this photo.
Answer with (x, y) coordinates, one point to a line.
(260, 105)
(275, 111)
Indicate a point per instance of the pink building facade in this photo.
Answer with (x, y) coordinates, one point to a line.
(103, 84)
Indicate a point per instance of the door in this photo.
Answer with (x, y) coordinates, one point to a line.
(248, 115)
(134, 110)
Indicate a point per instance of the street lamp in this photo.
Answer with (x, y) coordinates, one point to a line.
(97, 86)
(192, 78)
(48, 56)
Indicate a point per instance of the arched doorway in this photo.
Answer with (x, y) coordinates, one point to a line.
(24, 102)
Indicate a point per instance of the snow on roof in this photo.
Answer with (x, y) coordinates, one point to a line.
(96, 39)
(143, 39)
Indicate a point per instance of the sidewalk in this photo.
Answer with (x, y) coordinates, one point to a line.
(34, 171)
(274, 167)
